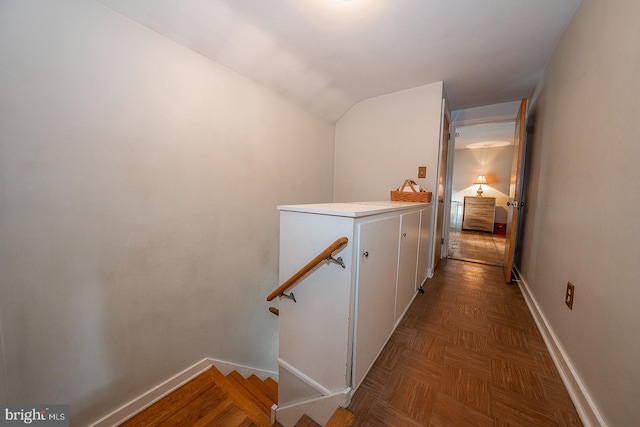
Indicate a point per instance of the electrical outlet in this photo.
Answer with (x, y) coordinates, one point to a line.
(568, 299)
(422, 171)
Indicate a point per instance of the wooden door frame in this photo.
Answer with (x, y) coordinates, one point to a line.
(450, 165)
(515, 190)
(448, 191)
(445, 113)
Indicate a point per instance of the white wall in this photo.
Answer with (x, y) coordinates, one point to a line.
(138, 192)
(583, 205)
(495, 163)
(3, 372)
(381, 142)
(503, 112)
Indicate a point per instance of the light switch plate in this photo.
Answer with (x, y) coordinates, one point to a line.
(422, 171)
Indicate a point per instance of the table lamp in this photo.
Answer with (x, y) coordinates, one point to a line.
(481, 180)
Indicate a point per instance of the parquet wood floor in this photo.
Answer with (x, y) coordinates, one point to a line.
(477, 246)
(467, 353)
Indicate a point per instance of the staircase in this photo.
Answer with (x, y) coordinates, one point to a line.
(213, 399)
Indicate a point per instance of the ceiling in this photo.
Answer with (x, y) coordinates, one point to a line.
(327, 55)
(485, 135)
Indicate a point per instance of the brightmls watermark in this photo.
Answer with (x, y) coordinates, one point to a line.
(35, 415)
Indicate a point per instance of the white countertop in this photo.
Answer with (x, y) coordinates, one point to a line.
(351, 209)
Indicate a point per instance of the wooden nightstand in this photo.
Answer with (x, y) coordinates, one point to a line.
(479, 213)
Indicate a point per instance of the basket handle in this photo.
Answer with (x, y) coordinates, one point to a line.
(410, 184)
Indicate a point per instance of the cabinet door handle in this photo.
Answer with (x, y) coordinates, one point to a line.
(404, 234)
(366, 254)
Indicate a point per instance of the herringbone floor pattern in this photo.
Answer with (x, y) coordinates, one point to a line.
(467, 353)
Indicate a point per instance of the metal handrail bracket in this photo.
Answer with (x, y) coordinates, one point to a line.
(325, 255)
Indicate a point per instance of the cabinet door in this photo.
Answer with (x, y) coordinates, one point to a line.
(407, 261)
(424, 245)
(376, 291)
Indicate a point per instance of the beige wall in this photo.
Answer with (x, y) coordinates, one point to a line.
(381, 142)
(138, 222)
(495, 163)
(583, 203)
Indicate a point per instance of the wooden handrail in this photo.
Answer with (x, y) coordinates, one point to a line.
(307, 268)
(274, 311)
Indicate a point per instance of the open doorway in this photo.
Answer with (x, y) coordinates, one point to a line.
(481, 175)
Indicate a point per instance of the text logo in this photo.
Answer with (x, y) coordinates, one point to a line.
(34, 415)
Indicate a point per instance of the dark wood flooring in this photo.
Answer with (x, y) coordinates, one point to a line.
(467, 353)
(477, 246)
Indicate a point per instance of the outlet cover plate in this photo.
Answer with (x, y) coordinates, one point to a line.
(568, 299)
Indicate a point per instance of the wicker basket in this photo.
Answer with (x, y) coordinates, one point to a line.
(410, 196)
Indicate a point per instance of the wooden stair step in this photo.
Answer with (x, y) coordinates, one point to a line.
(252, 392)
(228, 415)
(264, 388)
(166, 407)
(233, 416)
(213, 404)
(273, 385)
(242, 399)
(341, 418)
(213, 399)
(306, 421)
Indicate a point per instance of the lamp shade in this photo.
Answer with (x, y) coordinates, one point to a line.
(481, 179)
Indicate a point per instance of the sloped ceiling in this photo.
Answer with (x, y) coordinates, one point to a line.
(327, 55)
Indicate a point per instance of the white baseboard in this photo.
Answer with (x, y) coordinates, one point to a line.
(246, 371)
(319, 409)
(148, 398)
(586, 408)
(304, 378)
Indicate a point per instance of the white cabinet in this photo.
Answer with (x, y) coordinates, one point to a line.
(424, 246)
(407, 261)
(376, 290)
(342, 318)
(386, 283)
